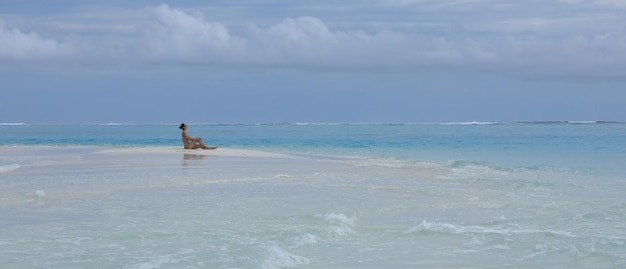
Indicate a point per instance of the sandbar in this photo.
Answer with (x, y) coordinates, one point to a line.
(230, 152)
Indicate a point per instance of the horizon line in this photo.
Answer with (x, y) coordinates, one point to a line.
(320, 123)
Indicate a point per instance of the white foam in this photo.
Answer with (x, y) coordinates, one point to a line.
(392, 163)
(382, 162)
(458, 229)
(469, 123)
(582, 121)
(316, 124)
(306, 239)
(341, 224)
(8, 168)
(277, 258)
(40, 193)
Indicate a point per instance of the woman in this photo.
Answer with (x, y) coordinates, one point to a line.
(192, 142)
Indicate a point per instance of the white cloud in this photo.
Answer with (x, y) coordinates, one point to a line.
(533, 44)
(453, 5)
(180, 35)
(16, 45)
(550, 41)
(303, 41)
(617, 3)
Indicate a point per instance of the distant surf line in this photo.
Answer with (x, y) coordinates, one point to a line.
(322, 123)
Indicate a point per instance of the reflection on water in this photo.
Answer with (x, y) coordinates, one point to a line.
(190, 160)
(188, 156)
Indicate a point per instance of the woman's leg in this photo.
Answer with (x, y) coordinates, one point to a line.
(201, 144)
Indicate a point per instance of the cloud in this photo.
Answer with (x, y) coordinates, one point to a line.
(308, 40)
(571, 45)
(453, 5)
(16, 45)
(587, 38)
(305, 41)
(181, 36)
(617, 3)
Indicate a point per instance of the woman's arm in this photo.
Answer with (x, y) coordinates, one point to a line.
(192, 139)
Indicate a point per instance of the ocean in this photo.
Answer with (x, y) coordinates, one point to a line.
(301, 195)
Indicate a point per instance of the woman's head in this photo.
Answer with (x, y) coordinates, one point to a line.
(182, 126)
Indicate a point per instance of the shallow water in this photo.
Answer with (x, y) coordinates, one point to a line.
(320, 207)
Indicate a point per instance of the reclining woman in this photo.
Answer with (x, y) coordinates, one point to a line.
(192, 142)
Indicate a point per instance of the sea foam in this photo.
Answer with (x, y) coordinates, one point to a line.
(441, 227)
(340, 224)
(8, 168)
(276, 258)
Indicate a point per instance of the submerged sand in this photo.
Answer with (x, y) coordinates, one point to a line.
(231, 152)
(166, 207)
(60, 150)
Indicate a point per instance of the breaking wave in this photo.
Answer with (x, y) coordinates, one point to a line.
(276, 258)
(439, 227)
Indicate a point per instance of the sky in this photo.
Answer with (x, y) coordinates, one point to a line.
(369, 61)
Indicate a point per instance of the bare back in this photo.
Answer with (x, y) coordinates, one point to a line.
(188, 141)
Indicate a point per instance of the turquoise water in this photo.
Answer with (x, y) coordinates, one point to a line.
(599, 146)
(462, 195)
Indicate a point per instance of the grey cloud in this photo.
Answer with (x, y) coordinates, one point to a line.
(180, 35)
(571, 43)
(16, 45)
(303, 41)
